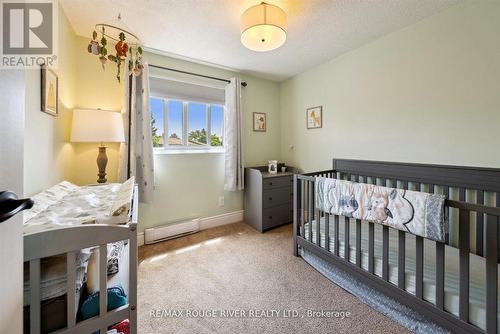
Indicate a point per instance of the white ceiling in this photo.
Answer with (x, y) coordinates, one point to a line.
(208, 30)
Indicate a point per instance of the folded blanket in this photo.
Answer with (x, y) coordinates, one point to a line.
(416, 212)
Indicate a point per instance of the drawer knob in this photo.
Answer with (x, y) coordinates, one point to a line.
(270, 198)
(270, 217)
(270, 183)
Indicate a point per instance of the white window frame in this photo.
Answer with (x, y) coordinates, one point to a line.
(185, 147)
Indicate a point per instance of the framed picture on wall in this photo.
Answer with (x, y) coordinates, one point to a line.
(314, 117)
(49, 91)
(259, 122)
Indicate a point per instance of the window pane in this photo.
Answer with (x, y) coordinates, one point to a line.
(157, 130)
(216, 120)
(174, 122)
(197, 124)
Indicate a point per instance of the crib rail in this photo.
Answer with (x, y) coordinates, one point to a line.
(69, 241)
(472, 205)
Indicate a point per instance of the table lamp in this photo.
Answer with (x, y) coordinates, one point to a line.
(97, 126)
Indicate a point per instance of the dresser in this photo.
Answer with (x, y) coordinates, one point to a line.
(268, 198)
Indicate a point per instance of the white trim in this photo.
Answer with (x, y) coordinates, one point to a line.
(140, 239)
(219, 220)
(188, 150)
(208, 222)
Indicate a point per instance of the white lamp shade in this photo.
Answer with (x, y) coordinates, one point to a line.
(97, 126)
(263, 27)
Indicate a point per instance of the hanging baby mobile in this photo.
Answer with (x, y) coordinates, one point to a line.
(118, 46)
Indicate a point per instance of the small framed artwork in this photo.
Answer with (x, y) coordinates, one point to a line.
(49, 91)
(314, 117)
(259, 122)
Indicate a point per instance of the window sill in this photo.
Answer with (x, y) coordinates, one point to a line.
(188, 151)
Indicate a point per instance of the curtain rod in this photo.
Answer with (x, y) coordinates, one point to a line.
(244, 84)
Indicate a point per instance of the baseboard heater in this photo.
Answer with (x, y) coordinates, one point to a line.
(170, 231)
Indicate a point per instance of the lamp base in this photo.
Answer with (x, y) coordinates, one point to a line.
(102, 161)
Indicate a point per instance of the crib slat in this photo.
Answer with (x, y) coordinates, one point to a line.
(419, 270)
(336, 235)
(358, 242)
(440, 274)
(301, 211)
(401, 259)
(346, 239)
(327, 231)
(491, 273)
(103, 273)
(358, 234)
(35, 296)
(371, 247)
(446, 193)
(480, 225)
(385, 253)
(310, 210)
(71, 288)
(464, 248)
(318, 227)
(498, 237)
(402, 250)
(133, 280)
(296, 209)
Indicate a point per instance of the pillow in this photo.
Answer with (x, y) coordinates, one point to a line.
(123, 199)
(90, 307)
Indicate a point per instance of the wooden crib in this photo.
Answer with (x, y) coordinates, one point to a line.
(69, 241)
(472, 205)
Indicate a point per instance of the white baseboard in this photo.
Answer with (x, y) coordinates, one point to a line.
(219, 220)
(208, 222)
(140, 239)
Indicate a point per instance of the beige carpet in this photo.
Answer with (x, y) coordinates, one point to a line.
(233, 267)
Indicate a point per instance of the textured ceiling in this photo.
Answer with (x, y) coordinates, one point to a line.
(208, 30)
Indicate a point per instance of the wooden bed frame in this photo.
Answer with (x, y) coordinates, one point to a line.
(432, 178)
(69, 241)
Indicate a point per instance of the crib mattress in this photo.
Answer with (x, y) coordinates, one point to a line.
(477, 280)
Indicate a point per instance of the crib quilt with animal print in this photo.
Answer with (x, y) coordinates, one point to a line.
(415, 212)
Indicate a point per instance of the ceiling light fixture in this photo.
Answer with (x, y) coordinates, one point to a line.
(263, 27)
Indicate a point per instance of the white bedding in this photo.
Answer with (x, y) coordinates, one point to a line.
(477, 280)
(81, 205)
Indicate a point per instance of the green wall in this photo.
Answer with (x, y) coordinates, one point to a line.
(48, 157)
(189, 185)
(429, 93)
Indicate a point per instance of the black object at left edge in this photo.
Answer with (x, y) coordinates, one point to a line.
(10, 205)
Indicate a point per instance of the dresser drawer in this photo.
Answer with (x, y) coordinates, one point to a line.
(277, 215)
(279, 196)
(277, 182)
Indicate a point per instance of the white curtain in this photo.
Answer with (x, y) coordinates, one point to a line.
(233, 137)
(140, 141)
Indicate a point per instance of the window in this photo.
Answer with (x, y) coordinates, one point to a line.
(186, 125)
